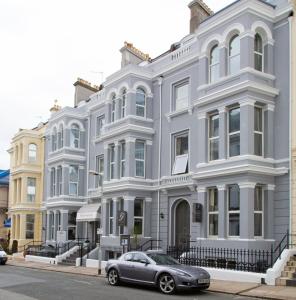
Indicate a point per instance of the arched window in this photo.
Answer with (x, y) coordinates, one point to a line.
(214, 64)
(113, 105)
(32, 155)
(74, 136)
(54, 140)
(258, 53)
(234, 55)
(123, 103)
(52, 182)
(61, 136)
(140, 102)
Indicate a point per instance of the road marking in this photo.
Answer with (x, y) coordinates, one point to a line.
(81, 281)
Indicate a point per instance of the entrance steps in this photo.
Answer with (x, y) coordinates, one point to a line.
(71, 260)
(288, 276)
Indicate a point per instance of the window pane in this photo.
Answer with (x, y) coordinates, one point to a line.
(213, 224)
(234, 64)
(234, 46)
(140, 97)
(214, 73)
(122, 150)
(181, 145)
(258, 119)
(140, 168)
(258, 225)
(258, 198)
(258, 144)
(138, 208)
(122, 169)
(234, 201)
(73, 170)
(73, 188)
(234, 145)
(214, 125)
(181, 97)
(234, 120)
(214, 55)
(140, 111)
(258, 45)
(140, 150)
(181, 164)
(138, 226)
(213, 200)
(214, 149)
(258, 62)
(234, 225)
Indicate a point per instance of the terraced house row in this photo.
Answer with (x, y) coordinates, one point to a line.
(192, 147)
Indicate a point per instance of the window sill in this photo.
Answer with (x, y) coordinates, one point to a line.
(176, 113)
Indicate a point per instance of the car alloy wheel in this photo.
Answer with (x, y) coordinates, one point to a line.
(166, 284)
(113, 277)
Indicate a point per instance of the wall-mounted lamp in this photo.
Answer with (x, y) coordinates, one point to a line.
(161, 215)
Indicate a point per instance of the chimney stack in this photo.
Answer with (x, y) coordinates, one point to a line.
(199, 12)
(83, 89)
(132, 55)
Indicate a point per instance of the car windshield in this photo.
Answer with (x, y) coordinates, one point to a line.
(162, 259)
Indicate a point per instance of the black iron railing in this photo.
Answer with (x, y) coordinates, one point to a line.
(146, 246)
(233, 259)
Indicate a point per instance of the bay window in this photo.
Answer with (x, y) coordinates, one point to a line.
(73, 180)
(258, 211)
(140, 102)
(32, 152)
(213, 212)
(138, 216)
(74, 136)
(258, 131)
(30, 221)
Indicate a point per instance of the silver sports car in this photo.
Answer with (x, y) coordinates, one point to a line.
(156, 269)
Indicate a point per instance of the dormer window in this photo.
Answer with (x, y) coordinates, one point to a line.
(140, 102)
(214, 69)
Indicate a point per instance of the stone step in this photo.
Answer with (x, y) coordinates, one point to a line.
(291, 263)
(288, 274)
(289, 268)
(291, 282)
(282, 281)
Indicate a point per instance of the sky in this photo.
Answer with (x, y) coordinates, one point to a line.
(46, 45)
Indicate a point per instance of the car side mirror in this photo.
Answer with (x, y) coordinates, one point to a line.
(144, 261)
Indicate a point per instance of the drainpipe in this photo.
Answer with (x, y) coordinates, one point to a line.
(88, 151)
(290, 122)
(160, 80)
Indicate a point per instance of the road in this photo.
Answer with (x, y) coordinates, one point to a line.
(18, 283)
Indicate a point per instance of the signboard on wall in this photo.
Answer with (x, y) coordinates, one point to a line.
(122, 218)
(197, 213)
(61, 236)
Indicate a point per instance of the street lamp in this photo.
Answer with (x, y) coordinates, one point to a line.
(99, 230)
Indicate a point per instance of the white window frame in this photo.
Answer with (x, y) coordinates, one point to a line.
(59, 176)
(100, 124)
(139, 105)
(259, 132)
(33, 195)
(74, 139)
(260, 54)
(210, 139)
(140, 159)
(175, 136)
(112, 162)
(54, 140)
(111, 217)
(32, 158)
(233, 212)
(113, 108)
(184, 82)
(61, 137)
(121, 208)
(31, 223)
(74, 182)
(233, 133)
(122, 160)
(123, 104)
(212, 65)
(259, 212)
(231, 57)
(53, 182)
(142, 218)
(216, 212)
(99, 177)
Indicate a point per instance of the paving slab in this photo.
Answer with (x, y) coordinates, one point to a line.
(272, 292)
(231, 287)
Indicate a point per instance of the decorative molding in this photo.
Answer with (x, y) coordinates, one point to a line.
(129, 198)
(201, 189)
(221, 187)
(246, 102)
(148, 199)
(247, 185)
(270, 187)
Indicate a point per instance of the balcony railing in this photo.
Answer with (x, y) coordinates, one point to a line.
(177, 180)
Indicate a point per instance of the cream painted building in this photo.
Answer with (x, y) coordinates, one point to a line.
(26, 185)
(293, 120)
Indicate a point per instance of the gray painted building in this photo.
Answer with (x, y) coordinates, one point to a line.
(193, 145)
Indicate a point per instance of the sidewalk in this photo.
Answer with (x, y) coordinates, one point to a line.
(220, 286)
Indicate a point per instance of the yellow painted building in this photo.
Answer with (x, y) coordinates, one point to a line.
(293, 121)
(26, 185)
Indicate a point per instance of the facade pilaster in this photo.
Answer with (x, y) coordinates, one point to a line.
(202, 199)
(202, 135)
(222, 208)
(129, 207)
(222, 133)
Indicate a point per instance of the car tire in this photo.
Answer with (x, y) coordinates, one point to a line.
(113, 277)
(166, 284)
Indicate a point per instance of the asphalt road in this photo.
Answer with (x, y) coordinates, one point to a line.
(17, 283)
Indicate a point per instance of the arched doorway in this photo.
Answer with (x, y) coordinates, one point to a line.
(182, 229)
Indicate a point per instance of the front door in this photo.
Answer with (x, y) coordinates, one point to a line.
(182, 228)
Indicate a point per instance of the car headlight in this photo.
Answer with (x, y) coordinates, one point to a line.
(180, 273)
